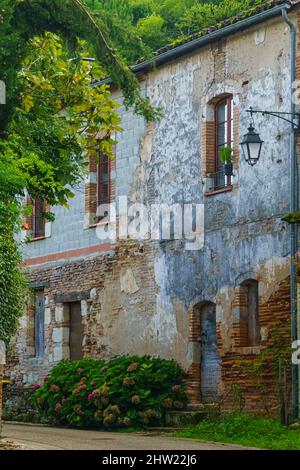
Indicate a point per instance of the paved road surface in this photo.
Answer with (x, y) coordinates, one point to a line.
(46, 438)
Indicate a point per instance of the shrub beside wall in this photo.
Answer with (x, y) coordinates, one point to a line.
(127, 391)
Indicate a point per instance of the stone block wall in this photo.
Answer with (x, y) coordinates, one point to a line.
(17, 405)
(117, 296)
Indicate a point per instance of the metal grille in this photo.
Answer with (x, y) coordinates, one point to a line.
(220, 180)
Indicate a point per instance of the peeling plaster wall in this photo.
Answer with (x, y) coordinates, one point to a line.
(243, 229)
(142, 297)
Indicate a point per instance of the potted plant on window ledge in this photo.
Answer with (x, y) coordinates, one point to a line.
(226, 155)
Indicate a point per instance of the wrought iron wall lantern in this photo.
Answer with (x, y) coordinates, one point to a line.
(252, 143)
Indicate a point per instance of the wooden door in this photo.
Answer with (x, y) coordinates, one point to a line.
(40, 325)
(76, 332)
(210, 359)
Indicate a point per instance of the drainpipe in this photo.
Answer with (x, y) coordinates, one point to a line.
(293, 208)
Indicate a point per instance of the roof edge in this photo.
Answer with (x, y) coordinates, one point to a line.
(209, 38)
(189, 47)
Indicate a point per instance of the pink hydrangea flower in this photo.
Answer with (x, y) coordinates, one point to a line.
(128, 382)
(37, 386)
(90, 397)
(58, 408)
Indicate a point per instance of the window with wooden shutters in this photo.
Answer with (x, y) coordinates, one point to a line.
(103, 181)
(223, 137)
(38, 225)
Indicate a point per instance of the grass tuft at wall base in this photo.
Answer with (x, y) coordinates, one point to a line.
(243, 429)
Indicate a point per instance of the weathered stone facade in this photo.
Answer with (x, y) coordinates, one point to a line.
(2, 363)
(148, 297)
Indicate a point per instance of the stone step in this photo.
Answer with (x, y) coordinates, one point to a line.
(192, 415)
(180, 419)
(208, 407)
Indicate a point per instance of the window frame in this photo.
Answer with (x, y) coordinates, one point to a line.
(228, 100)
(99, 182)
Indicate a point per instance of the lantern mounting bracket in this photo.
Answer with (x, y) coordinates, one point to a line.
(279, 115)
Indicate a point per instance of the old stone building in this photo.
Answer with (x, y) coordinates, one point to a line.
(208, 304)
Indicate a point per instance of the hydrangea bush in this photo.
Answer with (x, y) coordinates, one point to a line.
(127, 391)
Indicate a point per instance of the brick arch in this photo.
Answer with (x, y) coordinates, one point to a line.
(247, 276)
(219, 97)
(216, 94)
(219, 88)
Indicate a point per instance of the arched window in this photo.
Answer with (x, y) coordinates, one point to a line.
(250, 313)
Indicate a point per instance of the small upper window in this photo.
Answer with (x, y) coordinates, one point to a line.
(38, 218)
(223, 137)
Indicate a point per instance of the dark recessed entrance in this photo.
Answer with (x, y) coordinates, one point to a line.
(76, 331)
